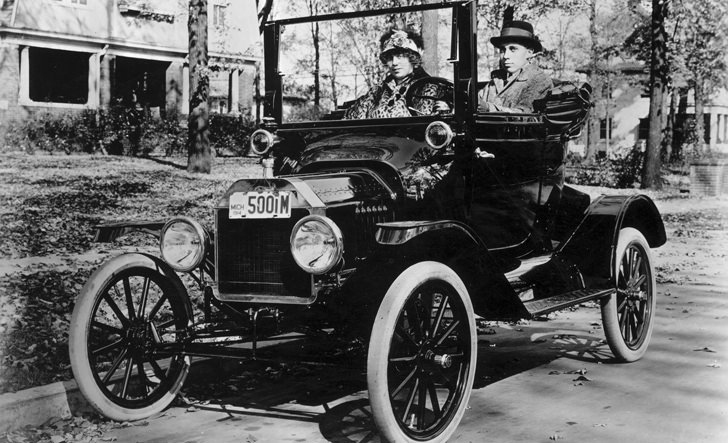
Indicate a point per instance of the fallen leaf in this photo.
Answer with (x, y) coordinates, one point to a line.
(705, 349)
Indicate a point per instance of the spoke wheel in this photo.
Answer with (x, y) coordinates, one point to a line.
(628, 314)
(422, 354)
(130, 308)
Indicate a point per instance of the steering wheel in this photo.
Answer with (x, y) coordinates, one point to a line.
(428, 88)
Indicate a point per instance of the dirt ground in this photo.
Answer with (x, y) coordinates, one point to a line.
(536, 381)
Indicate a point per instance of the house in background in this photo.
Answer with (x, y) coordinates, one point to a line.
(623, 108)
(92, 54)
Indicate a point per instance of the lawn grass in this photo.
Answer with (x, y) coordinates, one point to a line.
(49, 206)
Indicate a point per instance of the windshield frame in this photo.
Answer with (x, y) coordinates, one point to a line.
(462, 56)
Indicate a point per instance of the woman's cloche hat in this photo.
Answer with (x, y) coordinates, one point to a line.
(398, 40)
(518, 31)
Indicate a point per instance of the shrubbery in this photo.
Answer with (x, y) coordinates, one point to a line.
(121, 131)
(619, 170)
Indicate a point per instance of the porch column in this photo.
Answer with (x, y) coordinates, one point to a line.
(106, 73)
(24, 91)
(234, 94)
(713, 129)
(185, 89)
(94, 80)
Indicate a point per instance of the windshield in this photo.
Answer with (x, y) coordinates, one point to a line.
(365, 66)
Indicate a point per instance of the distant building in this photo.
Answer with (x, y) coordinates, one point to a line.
(623, 107)
(92, 54)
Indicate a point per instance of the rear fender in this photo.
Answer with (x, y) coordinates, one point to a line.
(453, 244)
(592, 246)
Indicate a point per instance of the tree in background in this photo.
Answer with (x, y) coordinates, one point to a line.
(658, 82)
(702, 41)
(199, 154)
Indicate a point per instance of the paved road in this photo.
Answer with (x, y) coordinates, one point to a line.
(523, 392)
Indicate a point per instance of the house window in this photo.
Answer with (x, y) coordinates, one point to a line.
(218, 15)
(644, 129)
(58, 76)
(74, 2)
(603, 128)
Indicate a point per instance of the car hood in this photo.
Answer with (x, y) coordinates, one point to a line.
(318, 190)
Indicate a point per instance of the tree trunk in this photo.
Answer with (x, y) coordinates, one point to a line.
(592, 138)
(199, 154)
(430, 57)
(669, 127)
(316, 66)
(313, 10)
(698, 88)
(658, 76)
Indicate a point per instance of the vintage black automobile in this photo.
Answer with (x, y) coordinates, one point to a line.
(390, 233)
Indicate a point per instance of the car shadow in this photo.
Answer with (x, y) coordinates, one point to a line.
(334, 396)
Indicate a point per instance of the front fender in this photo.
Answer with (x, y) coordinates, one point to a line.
(457, 246)
(592, 245)
(124, 261)
(108, 232)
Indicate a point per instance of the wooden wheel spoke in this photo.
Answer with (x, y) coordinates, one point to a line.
(413, 318)
(164, 324)
(145, 295)
(106, 327)
(639, 281)
(145, 382)
(405, 336)
(410, 400)
(127, 375)
(114, 366)
(447, 332)
(109, 347)
(402, 359)
(421, 409)
(440, 312)
(404, 382)
(433, 398)
(128, 297)
(623, 325)
(157, 307)
(114, 307)
(622, 303)
(158, 371)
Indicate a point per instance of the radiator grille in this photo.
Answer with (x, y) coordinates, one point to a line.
(253, 256)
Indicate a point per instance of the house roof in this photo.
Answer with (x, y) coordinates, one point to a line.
(624, 67)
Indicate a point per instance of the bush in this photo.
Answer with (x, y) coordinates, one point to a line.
(229, 135)
(121, 131)
(619, 170)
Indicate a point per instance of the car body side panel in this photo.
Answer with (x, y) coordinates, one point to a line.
(592, 245)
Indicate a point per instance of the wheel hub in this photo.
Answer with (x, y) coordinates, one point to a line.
(137, 336)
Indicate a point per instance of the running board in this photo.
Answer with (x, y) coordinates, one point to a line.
(561, 301)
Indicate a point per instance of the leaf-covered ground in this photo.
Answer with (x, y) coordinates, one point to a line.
(48, 208)
(49, 205)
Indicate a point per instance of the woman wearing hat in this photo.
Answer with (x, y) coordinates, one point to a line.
(515, 86)
(401, 53)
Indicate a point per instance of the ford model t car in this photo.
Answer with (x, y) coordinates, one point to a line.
(393, 233)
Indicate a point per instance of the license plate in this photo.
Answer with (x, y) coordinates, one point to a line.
(260, 205)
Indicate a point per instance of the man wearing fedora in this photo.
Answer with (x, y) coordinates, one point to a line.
(515, 86)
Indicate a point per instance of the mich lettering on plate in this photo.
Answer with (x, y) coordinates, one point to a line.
(260, 205)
